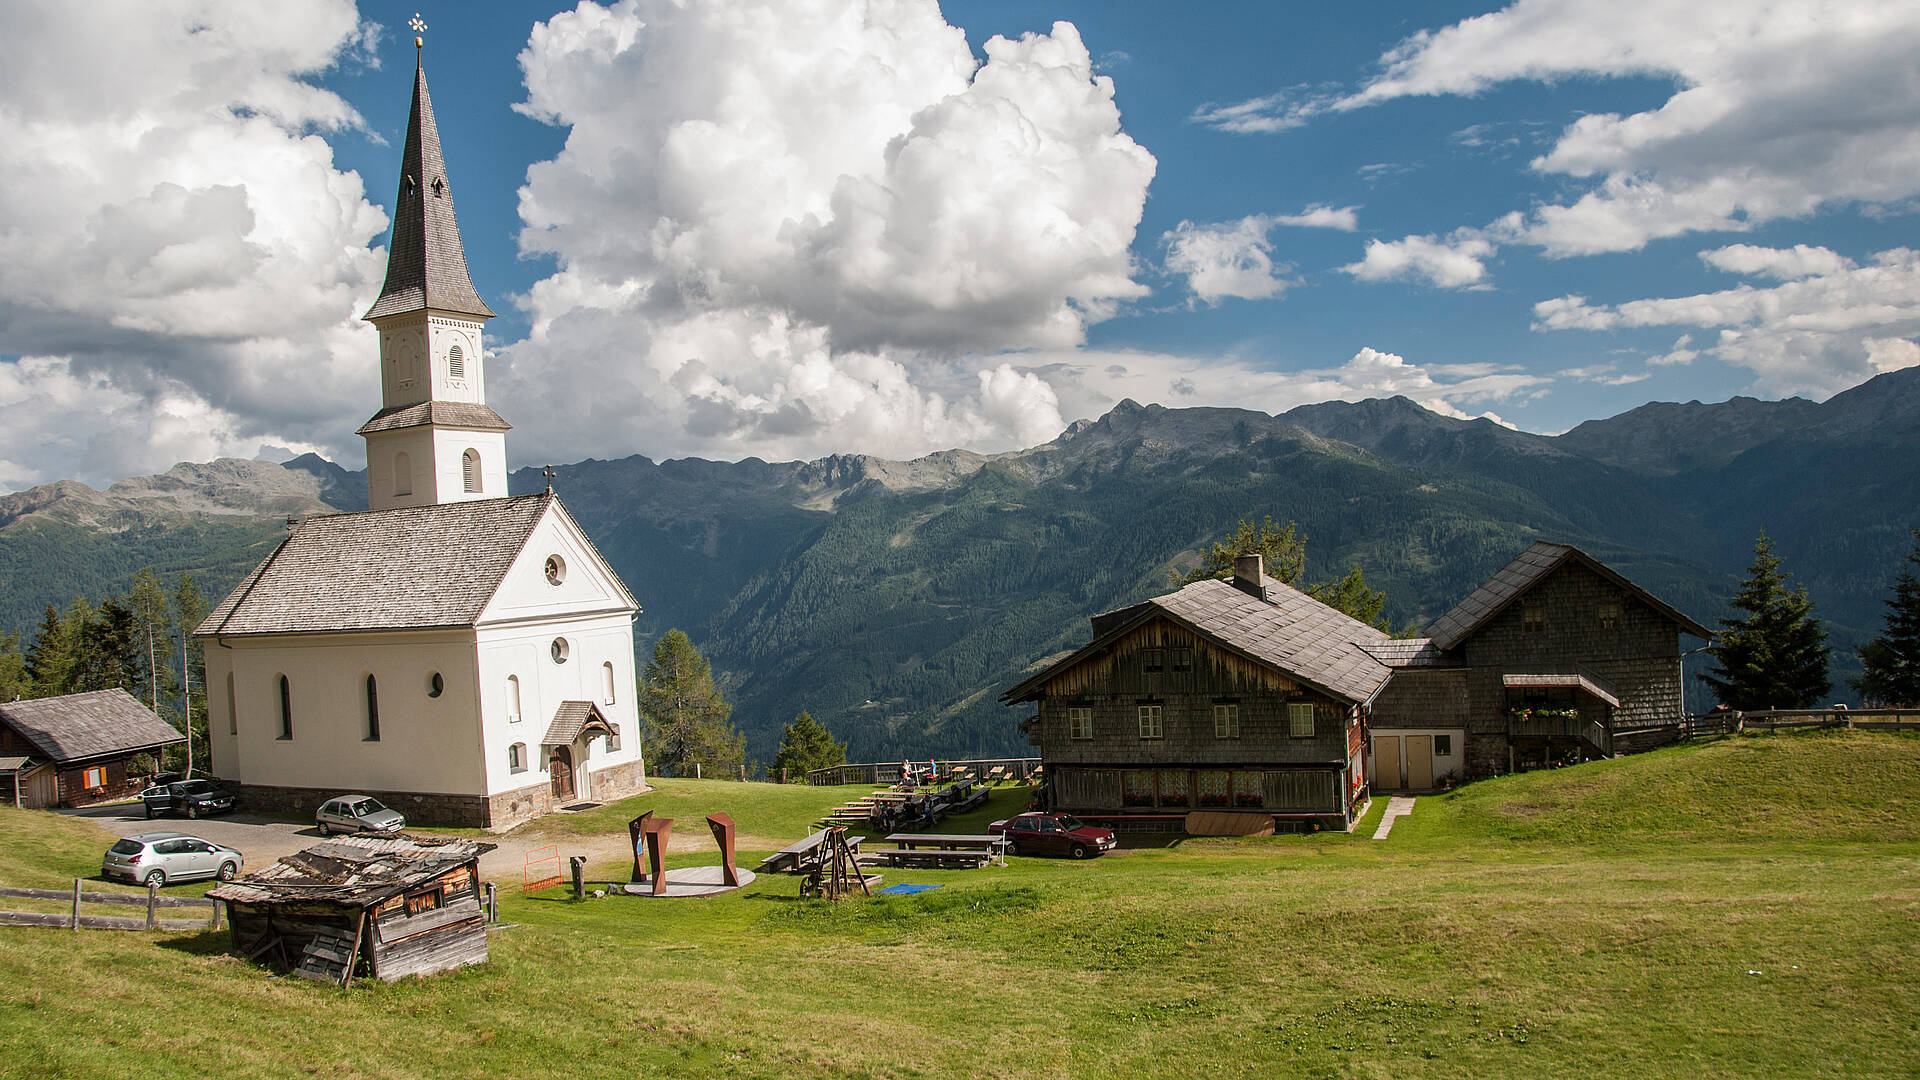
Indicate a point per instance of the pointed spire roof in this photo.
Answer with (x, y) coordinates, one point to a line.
(426, 265)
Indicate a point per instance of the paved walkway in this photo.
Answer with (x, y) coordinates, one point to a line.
(1397, 807)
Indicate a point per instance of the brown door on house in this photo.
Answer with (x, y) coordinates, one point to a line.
(560, 767)
(1419, 762)
(1386, 762)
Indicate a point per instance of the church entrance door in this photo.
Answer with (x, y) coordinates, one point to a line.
(560, 767)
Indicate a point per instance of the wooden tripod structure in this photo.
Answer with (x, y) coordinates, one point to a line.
(839, 872)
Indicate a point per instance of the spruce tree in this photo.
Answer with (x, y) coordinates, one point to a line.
(1774, 656)
(49, 656)
(1284, 553)
(14, 683)
(805, 745)
(685, 717)
(1890, 663)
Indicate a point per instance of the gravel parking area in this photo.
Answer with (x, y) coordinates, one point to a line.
(264, 840)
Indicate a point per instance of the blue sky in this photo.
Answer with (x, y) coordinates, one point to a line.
(792, 229)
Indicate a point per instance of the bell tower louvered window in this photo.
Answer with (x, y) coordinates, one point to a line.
(456, 363)
(470, 470)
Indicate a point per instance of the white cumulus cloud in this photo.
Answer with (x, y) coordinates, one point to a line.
(176, 244)
(1778, 109)
(1818, 332)
(782, 227)
(1459, 261)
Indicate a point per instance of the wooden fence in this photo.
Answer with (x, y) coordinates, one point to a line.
(1647, 736)
(75, 920)
(885, 772)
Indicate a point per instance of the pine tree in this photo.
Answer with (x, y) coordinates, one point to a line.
(1890, 663)
(1775, 655)
(49, 656)
(14, 683)
(109, 653)
(153, 629)
(1285, 551)
(1352, 594)
(684, 715)
(805, 745)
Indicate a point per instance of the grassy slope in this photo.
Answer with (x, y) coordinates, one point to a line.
(1501, 931)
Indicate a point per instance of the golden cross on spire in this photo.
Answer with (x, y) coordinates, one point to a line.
(419, 27)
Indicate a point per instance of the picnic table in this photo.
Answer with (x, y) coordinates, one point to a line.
(805, 856)
(988, 846)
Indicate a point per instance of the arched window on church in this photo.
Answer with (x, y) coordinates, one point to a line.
(233, 710)
(373, 710)
(470, 469)
(517, 757)
(606, 682)
(286, 709)
(456, 363)
(513, 699)
(402, 474)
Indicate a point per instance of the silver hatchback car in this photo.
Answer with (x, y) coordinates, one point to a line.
(162, 858)
(357, 813)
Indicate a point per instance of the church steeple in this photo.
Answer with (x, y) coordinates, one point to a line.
(434, 439)
(426, 264)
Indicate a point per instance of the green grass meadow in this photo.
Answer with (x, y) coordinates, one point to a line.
(1742, 908)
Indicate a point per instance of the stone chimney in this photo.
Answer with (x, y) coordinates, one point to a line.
(1250, 575)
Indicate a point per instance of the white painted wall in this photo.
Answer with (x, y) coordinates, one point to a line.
(426, 744)
(1451, 764)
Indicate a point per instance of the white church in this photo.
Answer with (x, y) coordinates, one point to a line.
(464, 656)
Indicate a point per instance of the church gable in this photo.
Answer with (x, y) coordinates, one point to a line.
(557, 572)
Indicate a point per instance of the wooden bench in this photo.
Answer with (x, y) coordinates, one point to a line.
(806, 856)
(926, 858)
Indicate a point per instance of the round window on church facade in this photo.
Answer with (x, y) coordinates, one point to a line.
(436, 685)
(556, 569)
(561, 650)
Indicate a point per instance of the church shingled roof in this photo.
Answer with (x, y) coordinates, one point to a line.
(426, 264)
(74, 727)
(467, 416)
(411, 568)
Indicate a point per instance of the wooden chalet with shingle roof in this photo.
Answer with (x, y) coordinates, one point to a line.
(1243, 696)
(464, 656)
(75, 749)
(1541, 664)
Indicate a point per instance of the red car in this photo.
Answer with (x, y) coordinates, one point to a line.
(1054, 834)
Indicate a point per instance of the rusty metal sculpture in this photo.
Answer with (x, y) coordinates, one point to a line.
(722, 827)
(654, 832)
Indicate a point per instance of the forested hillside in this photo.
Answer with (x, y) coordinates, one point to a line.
(895, 600)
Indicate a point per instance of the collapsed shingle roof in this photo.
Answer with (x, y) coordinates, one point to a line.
(358, 871)
(1523, 573)
(75, 727)
(412, 568)
(1289, 631)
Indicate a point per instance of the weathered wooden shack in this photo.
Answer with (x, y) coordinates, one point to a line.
(387, 907)
(1226, 697)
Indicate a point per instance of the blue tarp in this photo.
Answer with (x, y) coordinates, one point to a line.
(906, 890)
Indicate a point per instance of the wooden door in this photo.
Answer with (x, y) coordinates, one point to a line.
(560, 767)
(1419, 762)
(1386, 762)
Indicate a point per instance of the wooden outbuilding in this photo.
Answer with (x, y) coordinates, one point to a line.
(78, 749)
(387, 907)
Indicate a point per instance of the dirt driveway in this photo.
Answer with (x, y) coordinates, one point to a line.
(263, 841)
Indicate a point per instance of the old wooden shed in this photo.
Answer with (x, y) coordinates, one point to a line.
(389, 907)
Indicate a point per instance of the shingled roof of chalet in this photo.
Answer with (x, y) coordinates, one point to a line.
(1523, 573)
(1288, 631)
(75, 727)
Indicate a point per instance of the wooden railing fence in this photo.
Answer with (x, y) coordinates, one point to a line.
(888, 772)
(74, 919)
(1775, 720)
